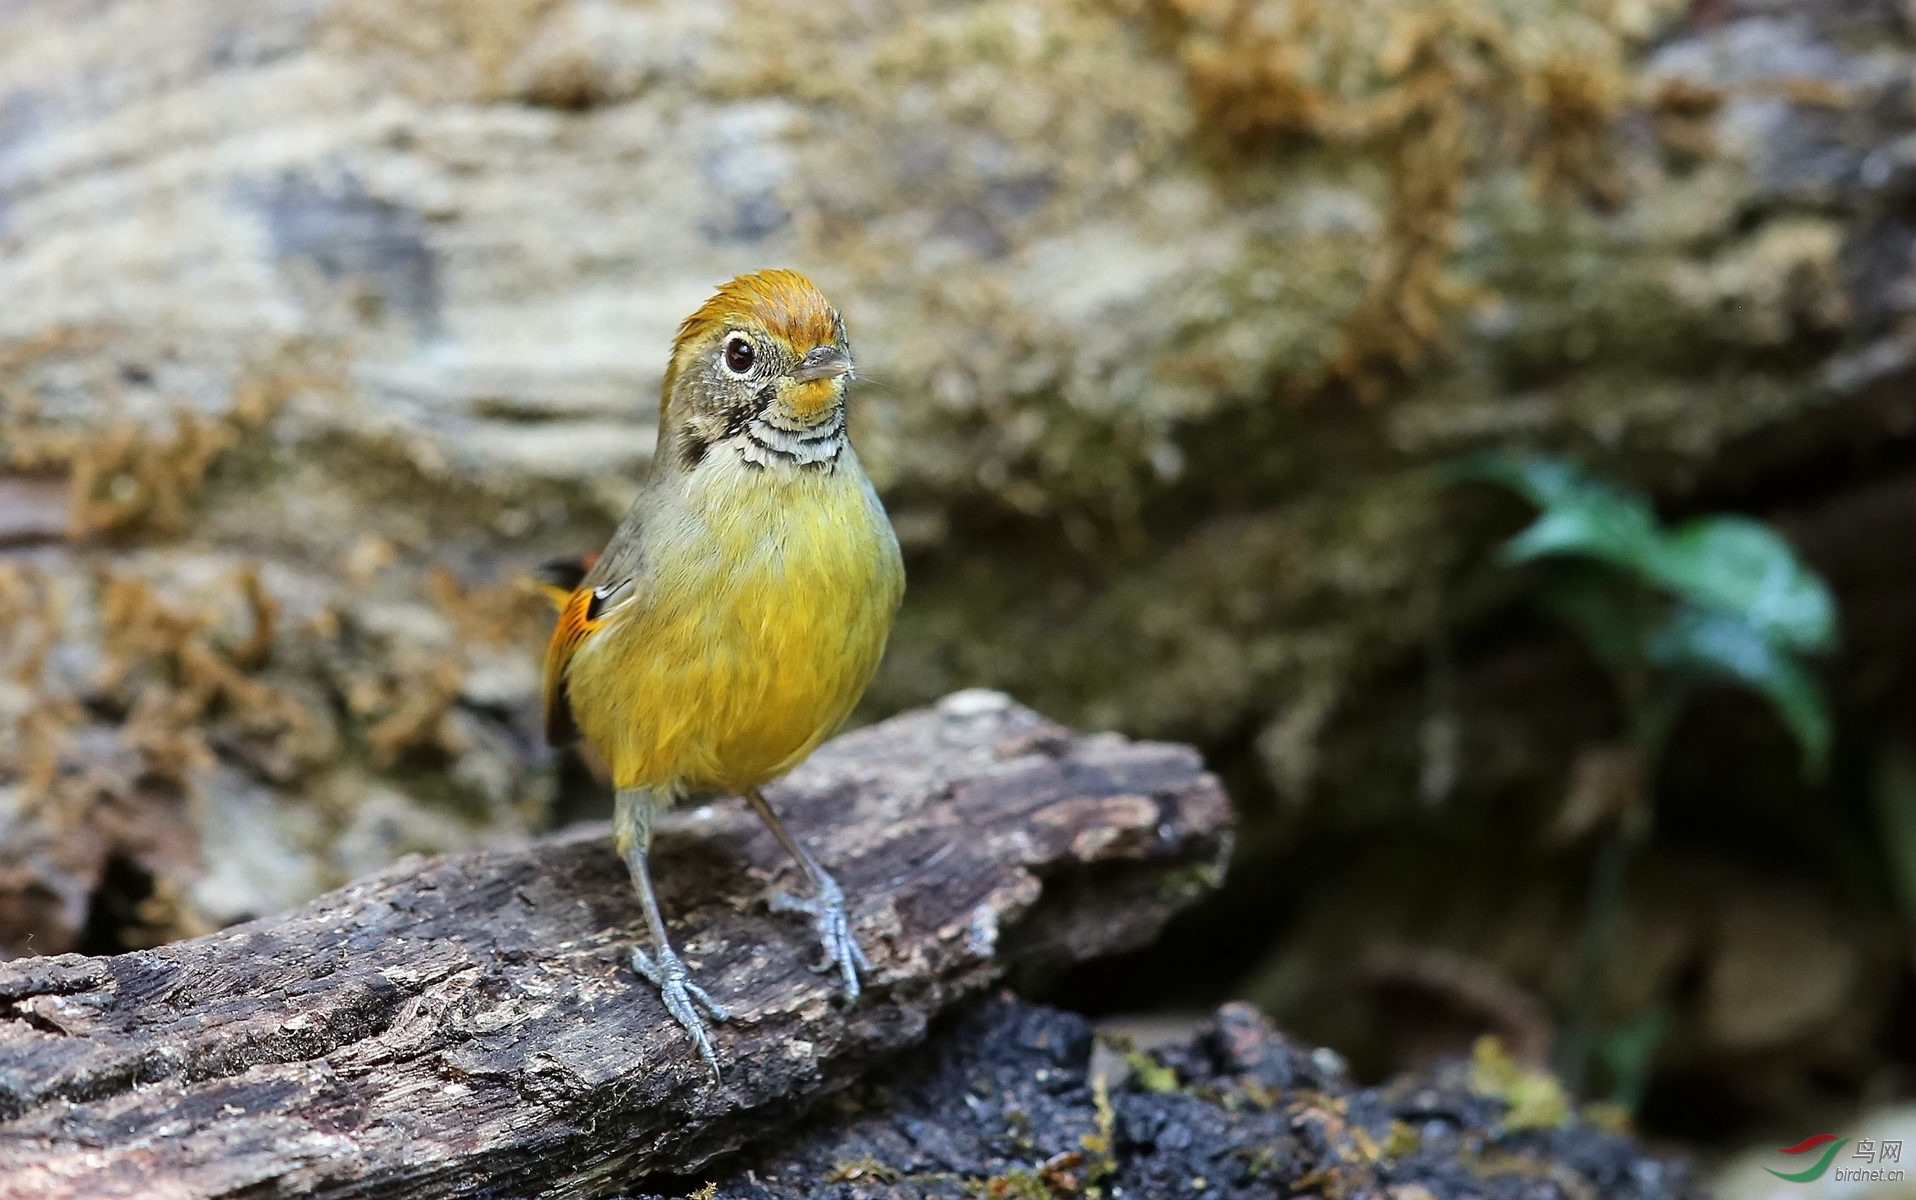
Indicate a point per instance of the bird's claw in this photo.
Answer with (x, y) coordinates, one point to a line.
(829, 918)
(679, 993)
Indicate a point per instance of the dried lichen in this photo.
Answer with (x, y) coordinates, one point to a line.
(127, 477)
(35, 717)
(509, 613)
(101, 840)
(411, 714)
(1424, 93)
(409, 703)
(179, 677)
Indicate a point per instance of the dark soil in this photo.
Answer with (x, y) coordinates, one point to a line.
(1005, 1105)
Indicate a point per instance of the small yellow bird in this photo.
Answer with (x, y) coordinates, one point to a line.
(742, 605)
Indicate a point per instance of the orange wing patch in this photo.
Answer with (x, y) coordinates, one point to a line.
(558, 578)
(578, 618)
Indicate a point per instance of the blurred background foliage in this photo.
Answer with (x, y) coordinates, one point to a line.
(327, 318)
(1717, 599)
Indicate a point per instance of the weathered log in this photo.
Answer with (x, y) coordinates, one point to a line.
(469, 1025)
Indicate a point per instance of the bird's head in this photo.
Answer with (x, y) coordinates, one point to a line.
(761, 369)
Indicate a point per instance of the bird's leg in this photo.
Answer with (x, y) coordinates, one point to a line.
(826, 904)
(632, 829)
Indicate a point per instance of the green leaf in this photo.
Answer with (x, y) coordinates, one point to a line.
(1580, 515)
(1602, 607)
(1629, 1052)
(1608, 527)
(1538, 478)
(1723, 645)
(1734, 564)
(1742, 566)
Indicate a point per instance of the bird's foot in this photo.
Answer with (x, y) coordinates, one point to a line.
(679, 992)
(827, 910)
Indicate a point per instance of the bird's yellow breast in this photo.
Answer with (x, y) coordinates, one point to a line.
(753, 627)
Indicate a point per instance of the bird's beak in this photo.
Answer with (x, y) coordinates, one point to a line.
(824, 362)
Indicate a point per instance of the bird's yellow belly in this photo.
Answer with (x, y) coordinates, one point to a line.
(736, 666)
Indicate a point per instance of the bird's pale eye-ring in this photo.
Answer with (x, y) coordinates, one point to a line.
(740, 354)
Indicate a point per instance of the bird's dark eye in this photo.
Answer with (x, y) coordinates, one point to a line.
(739, 355)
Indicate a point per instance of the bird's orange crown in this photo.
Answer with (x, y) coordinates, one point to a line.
(784, 303)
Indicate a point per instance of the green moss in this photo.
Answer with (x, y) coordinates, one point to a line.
(1152, 1075)
(1532, 1099)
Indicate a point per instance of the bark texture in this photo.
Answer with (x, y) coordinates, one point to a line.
(468, 1025)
